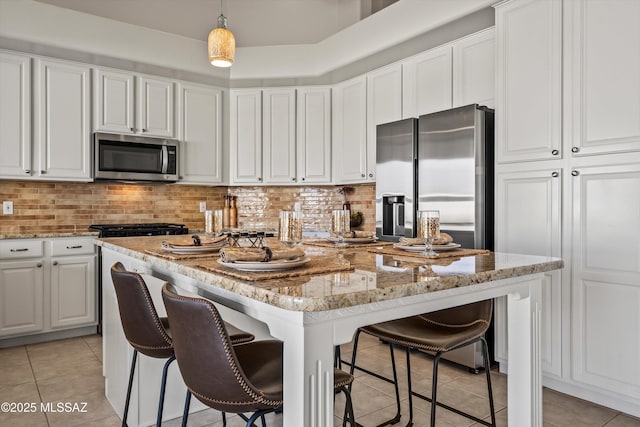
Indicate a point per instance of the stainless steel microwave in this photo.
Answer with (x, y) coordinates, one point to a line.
(135, 158)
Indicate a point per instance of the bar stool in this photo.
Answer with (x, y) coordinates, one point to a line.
(145, 331)
(437, 332)
(235, 379)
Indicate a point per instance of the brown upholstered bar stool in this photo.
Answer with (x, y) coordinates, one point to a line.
(235, 379)
(146, 331)
(437, 332)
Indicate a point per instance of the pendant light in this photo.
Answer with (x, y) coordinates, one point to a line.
(221, 43)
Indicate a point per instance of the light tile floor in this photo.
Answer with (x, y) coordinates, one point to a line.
(70, 371)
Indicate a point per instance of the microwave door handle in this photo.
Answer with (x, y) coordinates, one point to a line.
(165, 159)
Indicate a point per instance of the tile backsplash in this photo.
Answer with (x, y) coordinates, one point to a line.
(61, 207)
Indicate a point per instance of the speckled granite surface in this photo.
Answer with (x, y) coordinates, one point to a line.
(376, 277)
(48, 235)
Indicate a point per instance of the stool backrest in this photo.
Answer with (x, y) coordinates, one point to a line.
(140, 321)
(206, 357)
(462, 316)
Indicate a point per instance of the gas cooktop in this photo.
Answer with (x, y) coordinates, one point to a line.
(149, 229)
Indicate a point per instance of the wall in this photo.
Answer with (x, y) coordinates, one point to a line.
(60, 207)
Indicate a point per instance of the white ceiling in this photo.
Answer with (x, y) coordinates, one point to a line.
(253, 22)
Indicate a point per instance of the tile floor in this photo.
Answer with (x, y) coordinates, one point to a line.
(70, 371)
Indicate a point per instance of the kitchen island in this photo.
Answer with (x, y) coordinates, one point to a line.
(313, 313)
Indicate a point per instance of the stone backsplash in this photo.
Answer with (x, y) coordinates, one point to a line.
(61, 207)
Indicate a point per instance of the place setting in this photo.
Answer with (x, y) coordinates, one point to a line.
(286, 258)
(342, 236)
(430, 241)
(198, 247)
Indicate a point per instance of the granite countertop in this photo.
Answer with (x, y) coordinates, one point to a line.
(48, 235)
(374, 277)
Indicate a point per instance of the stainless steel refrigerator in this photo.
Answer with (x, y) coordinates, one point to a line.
(442, 161)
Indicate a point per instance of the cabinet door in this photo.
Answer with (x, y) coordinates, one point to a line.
(529, 76)
(474, 69)
(313, 140)
(349, 132)
(279, 135)
(384, 105)
(604, 76)
(15, 115)
(245, 135)
(113, 101)
(62, 126)
(606, 278)
(426, 82)
(21, 297)
(528, 220)
(156, 111)
(200, 133)
(73, 291)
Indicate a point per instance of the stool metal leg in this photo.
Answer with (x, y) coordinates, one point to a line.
(434, 388)
(131, 372)
(487, 369)
(410, 423)
(185, 412)
(163, 386)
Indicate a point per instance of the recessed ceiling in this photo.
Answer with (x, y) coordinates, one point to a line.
(253, 22)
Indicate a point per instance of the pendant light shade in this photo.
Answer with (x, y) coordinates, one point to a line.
(222, 44)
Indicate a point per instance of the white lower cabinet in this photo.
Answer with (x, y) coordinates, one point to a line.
(73, 291)
(21, 297)
(528, 221)
(606, 277)
(46, 285)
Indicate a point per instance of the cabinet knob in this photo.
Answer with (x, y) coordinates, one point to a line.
(27, 171)
(555, 174)
(43, 172)
(370, 175)
(293, 179)
(555, 152)
(143, 130)
(55, 262)
(362, 175)
(131, 129)
(39, 265)
(575, 149)
(575, 173)
(259, 178)
(303, 178)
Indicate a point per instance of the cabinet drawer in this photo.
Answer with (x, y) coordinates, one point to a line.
(62, 247)
(13, 249)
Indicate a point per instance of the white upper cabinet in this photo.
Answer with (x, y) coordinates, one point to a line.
(529, 76)
(156, 113)
(474, 69)
(427, 82)
(603, 76)
(15, 115)
(113, 101)
(245, 136)
(314, 135)
(384, 105)
(279, 135)
(349, 130)
(126, 103)
(62, 123)
(200, 133)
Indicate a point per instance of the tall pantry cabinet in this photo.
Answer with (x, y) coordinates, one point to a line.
(568, 183)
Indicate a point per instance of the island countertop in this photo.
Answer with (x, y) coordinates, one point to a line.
(374, 277)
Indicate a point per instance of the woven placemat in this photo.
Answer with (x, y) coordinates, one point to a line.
(178, 257)
(329, 244)
(444, 254)
(317, 265)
